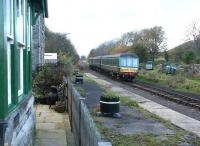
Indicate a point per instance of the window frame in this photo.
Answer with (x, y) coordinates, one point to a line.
(10, 19)
(21, 22)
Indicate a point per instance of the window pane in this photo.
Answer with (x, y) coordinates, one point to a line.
(20, 72)
(18, 68)
(123, 61)
(129, 61)
(135, 62)
(9, 17)
(20, 20)
(18, 8)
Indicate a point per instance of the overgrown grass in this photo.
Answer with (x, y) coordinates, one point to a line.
(178, 81)
(127, 101)
(80, 90)
(88, 79)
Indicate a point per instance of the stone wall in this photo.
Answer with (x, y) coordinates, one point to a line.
(38, 43)
(18, 128)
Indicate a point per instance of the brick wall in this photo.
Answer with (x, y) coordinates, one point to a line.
(18, 128)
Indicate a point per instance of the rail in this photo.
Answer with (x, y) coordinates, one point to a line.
(168, 94)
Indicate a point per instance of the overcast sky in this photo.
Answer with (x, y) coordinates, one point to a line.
(92, 22)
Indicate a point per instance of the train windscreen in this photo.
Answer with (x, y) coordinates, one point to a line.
(128, 61)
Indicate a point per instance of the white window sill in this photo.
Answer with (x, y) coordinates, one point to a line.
(10, 38)
(21, 45)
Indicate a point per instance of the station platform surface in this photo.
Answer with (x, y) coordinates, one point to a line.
(178, 119)
(50, 127)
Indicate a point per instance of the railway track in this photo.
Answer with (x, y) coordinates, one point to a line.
(168, 94)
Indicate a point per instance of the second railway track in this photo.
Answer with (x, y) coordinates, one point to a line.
(167, 94)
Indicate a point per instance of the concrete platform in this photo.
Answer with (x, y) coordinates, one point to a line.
(50, 127)
(178, 119)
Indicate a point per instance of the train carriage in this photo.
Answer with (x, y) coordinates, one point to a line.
(120, 65)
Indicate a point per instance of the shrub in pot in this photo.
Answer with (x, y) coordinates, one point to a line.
(79, 78)
(109, 103)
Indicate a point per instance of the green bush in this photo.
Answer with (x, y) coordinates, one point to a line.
(110, 95)
(49, 75)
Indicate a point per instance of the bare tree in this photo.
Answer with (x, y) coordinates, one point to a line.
(193, 33)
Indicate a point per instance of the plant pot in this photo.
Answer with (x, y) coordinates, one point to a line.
(79, 78)
(109, 105)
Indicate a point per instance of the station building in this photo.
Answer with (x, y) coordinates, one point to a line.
(17, 119)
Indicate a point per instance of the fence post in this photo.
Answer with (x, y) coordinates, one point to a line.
(67, 96)
(80, 100)
(71, 108)
(65, 93)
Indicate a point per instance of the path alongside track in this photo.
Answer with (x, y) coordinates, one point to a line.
(178, 119)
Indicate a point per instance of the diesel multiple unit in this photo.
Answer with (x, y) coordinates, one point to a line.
(119, 65)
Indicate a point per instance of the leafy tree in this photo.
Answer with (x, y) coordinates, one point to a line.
(59, 43)
(154, 39)
(166, 55)
(189, 57)
(144, 42)
(92, 53)
(141, 51)
(127, 39)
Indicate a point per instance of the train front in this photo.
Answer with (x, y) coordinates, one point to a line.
(129, 64)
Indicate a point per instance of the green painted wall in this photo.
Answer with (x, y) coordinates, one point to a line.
(4, 109)
(2, 60)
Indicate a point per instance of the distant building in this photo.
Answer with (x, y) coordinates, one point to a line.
(50, 57)
(17, 119)
(38, 43)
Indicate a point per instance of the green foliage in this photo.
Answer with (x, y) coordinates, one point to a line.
(166, 56)
(110, 95)
(180, 53)
(147, 42)
(198, 60)
(140, 50)
(159, 60)
(154, 39)
(127, 101)
(48, 75)
(59, 43)
(180, 81)
(189, 57)
(80, 90)
(76, 71)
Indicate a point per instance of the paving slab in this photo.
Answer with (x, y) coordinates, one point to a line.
(50, 127)
(178, 119)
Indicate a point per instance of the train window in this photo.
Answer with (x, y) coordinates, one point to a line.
(122, 61)
(129, 61)
(135, 62)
